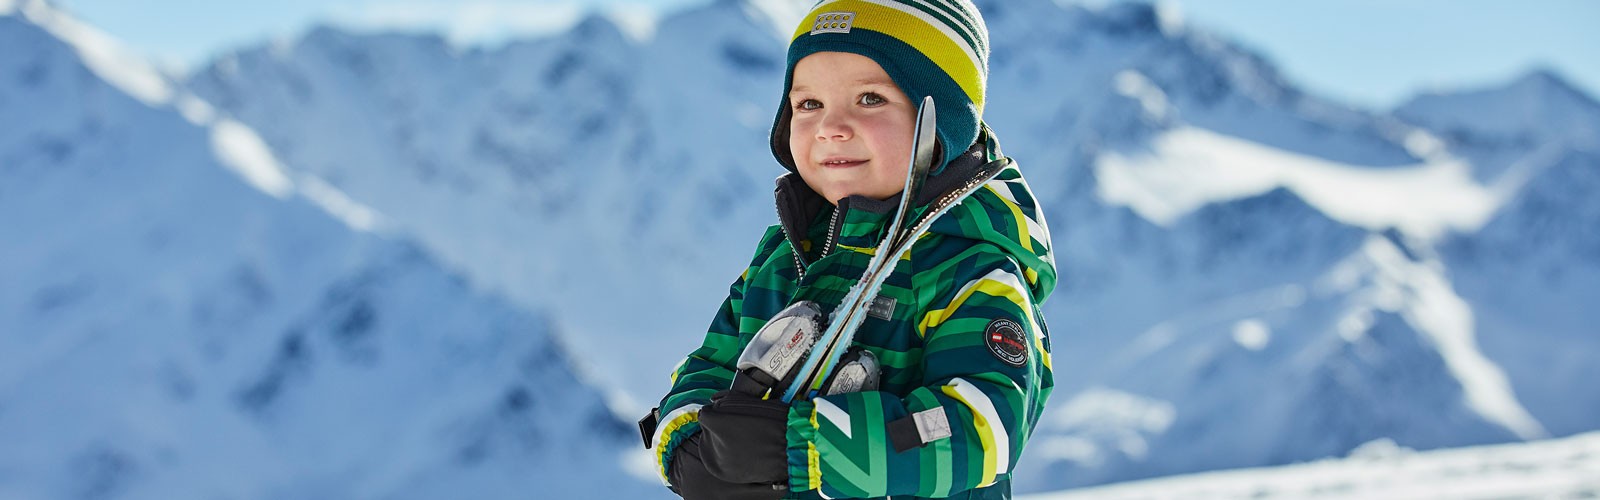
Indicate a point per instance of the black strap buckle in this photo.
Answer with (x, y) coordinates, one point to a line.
(647, 427)
(903, 435)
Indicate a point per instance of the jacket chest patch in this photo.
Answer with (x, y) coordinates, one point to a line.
(1005, 340)
(882, 308)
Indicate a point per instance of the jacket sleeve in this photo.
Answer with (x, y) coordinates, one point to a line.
(980, 396)
(709, 368)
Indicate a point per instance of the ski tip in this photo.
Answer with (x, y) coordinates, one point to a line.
(927, 127)
(927, 117)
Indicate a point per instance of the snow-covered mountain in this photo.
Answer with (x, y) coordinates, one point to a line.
(1532, 272)
(1251, 275)
(183, 318)
(1532, 276)
(1260, 331)
(1235, 290)
(540, 168)
(668, 162)
(1102, 75)
(1497, 127)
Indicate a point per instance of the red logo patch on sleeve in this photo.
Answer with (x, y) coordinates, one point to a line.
(1006, 341)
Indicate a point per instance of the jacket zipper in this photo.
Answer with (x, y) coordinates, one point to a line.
(827, 245)
(799, 266)
(833, 230)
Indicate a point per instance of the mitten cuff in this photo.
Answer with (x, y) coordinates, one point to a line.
(676, 427)
(805, 473)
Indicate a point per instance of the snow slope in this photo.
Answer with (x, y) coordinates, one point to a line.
(1189, 167)
(1561, 468)
(1530, 273)
(1322, 337)
(183, 318)
(1532, 276)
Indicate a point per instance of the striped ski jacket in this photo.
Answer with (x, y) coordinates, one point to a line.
(965, 353)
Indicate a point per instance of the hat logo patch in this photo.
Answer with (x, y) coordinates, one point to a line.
(833, 22)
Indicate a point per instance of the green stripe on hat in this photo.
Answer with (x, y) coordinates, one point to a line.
(974, 35)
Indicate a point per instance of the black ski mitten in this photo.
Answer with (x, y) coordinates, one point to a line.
(691, 480)
(745, 438)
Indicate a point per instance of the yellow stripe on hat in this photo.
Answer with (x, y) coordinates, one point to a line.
(933, 38)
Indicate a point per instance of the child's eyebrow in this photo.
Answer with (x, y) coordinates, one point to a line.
(864, 81)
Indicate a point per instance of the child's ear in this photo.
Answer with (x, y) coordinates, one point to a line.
(780, 136)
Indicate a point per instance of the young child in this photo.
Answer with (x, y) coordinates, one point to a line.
(964, 355)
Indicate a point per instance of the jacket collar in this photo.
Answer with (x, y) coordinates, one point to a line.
(799, 206)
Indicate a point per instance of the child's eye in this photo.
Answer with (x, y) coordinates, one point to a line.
(808, 104)
(871, 99)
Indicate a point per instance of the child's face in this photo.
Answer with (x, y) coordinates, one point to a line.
(851, 128)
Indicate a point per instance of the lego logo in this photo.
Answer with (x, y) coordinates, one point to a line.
(1006, 341)
(833, 22)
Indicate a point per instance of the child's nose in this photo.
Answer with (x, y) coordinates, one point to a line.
(834, 126)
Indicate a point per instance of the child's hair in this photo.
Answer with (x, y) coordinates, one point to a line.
(936, 48)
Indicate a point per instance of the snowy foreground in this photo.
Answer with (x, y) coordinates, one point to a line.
(1559, 468)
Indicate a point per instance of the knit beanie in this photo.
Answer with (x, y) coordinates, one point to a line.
(936, 48)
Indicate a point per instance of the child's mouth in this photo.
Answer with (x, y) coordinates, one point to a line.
(843, 163)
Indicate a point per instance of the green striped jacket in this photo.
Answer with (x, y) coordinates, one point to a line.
(964, 346)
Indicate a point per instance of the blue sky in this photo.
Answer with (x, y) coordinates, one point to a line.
(1371, 53)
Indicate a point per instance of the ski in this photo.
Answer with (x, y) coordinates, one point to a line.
(825, 353)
